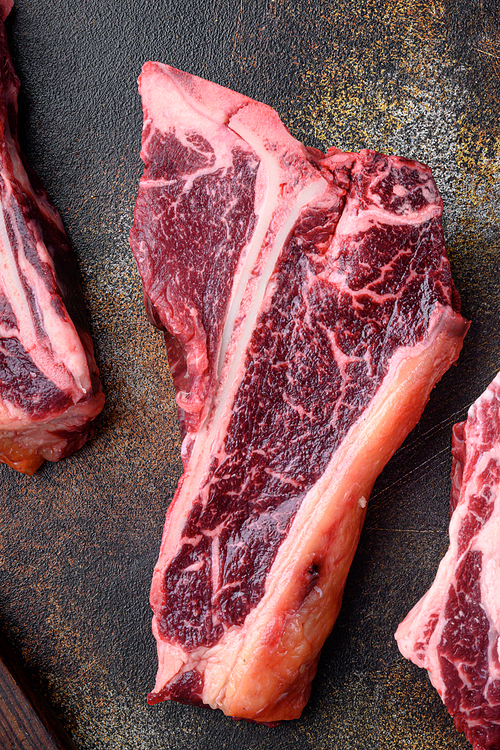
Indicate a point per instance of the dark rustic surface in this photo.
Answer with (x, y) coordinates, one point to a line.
(78, 541)
(18, 719)
(26, 718)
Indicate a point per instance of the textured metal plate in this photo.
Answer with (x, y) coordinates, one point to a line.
(78, 541)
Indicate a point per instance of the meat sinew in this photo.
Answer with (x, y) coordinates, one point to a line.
(309, 310)
(454, 630)
(49, 383)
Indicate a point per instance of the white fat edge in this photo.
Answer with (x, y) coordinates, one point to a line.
(173, 660)
(220, 661)
(161, 98)
(12, 420)
(166, 104)
(333, 494)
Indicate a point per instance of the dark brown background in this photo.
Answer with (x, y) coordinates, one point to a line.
(78, 541)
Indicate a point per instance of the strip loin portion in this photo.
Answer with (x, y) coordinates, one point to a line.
(454, 630)
(335, 314)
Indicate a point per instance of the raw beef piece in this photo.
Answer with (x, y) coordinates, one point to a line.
(454, 630)
(49, 383)
(309, 311)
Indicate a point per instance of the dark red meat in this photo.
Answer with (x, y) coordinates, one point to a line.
(309, 309)
(49, 383)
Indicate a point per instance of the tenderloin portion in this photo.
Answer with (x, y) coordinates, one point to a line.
(49, 383)
(454, 630)
(309, 310)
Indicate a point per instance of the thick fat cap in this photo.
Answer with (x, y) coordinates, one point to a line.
(158, 83)
(166, 91)
(172, 96)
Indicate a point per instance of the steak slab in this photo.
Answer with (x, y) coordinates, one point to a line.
(308, 311)
(454, 630)
(49, 383)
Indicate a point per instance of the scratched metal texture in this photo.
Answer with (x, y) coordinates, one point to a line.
(78, 541)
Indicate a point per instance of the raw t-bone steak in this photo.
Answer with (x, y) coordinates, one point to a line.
(454, 630)
(309, 310)
(49, 383)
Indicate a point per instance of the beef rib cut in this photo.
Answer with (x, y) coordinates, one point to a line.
(309, 310)
(49, 383)
(454, 630)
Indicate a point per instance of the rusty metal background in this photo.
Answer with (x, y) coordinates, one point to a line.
(78, 541)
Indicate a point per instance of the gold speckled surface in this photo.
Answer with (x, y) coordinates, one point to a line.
(78, 541)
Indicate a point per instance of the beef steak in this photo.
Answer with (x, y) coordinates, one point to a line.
(308, 311)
